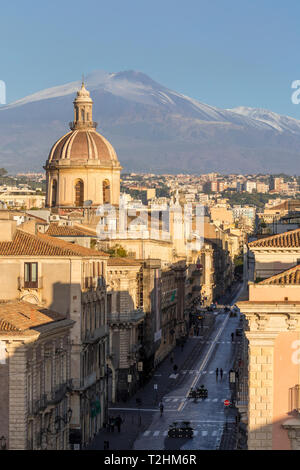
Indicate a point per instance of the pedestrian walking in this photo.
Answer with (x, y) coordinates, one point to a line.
(175, 368)
(232, 337)
(111, 424)
(172, 358)
(221, 373)
(161, 408)
(118, 422)
(217, 373)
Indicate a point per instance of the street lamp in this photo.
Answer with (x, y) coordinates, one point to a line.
(3, 443)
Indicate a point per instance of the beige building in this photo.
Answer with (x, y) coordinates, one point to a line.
(82, 165)
(272, 316)
(69, 279)
(35, 390)
(275, 253)
(125, 318)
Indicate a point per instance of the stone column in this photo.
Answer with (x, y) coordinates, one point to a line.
(260, 379)
(17, 396)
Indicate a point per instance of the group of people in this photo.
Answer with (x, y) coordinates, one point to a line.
(112, 422)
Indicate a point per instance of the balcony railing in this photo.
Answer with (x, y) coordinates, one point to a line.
(82, 384)
(133, 316)
(93, 336)
(22, 284)
(58, 394)
(39, 405)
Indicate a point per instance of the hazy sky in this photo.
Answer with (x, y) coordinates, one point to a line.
(222, 52)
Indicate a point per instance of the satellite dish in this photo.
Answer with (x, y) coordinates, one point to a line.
(87, 203)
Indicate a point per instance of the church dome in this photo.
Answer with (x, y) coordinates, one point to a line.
(83, 144)
(79, 146)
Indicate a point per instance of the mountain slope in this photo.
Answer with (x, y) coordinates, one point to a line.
(152, 128)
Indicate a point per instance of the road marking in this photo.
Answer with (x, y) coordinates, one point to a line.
(167, 399)
(206, 358)
(195, 433)
(135, 409)
(156, 433)
(211, 371)
(175, 399)
(214, 433)
(165, 433)
(203, 372)
(204, 433)
(146, 433)
(215, 400)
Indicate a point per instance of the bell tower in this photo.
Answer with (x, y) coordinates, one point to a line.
(83, 110)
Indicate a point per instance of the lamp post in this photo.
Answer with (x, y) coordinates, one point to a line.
(3, 443)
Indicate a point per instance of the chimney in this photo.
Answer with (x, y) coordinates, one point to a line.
(7, 230)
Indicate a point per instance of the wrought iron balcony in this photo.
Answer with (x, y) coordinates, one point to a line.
(58, 394)
(93, 336)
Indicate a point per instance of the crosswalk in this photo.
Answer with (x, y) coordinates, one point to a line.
(196, 372)
(217, 342)
(216, 433)
(205, 400)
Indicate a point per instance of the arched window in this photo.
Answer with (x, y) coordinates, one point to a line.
(79, 195)
(106, 192)
(82, 114)
(54, 193)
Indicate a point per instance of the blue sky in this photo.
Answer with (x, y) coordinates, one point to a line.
(222, 52)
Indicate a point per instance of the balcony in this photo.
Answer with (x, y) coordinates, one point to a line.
(133, 317)
(80, 385)
(58, 394)
(92, 337)
(39, 405)
(22, 284)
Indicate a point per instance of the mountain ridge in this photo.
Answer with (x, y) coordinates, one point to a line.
(152, 128)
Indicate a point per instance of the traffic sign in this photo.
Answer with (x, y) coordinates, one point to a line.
(226, 402)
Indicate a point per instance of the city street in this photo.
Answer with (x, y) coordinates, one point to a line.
(206, 416)
(145, 429)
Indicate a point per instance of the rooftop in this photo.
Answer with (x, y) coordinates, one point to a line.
(56, 230)
(20, 316)
(283, 240)
(291, 277)
(26, 244)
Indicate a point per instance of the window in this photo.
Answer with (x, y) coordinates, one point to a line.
(31, 275)
(54, 193)
(106, 192)
(79, 193)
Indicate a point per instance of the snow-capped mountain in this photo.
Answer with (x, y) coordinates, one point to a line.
(277, 121)
(152, 128)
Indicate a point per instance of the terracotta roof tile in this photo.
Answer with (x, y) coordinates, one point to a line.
(56, 230)
(26, 244)
(283, 240)
(291, 276)
(115, 261)
(20, 316)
